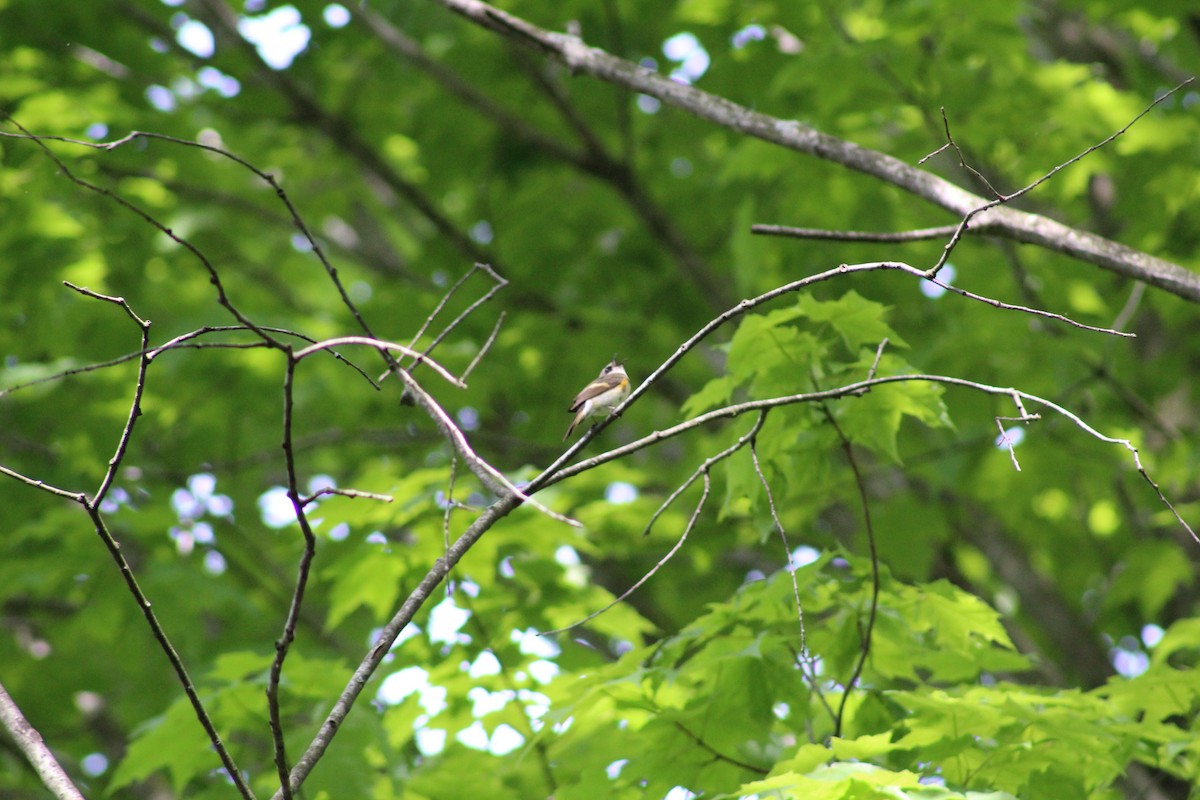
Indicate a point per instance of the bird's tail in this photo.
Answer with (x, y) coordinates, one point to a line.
(574, 422)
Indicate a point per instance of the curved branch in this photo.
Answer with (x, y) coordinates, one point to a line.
(865, 633)
(510, 501)
(703, 471)
(856, 389)
(593, 158)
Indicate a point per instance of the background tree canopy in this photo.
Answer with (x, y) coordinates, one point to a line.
(906, 541)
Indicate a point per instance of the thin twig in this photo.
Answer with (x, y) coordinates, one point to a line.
(865, 504)
(378, 344)
(1037, 312)
(806, 661)
(878, 237)
(182, 342)
(78, 497)
(650, 574)
(450, 506)
(487, 345)
(189, 688)
(787, 548)
(1131, 306)
(878, 357)
(929, 275)
(1006, 441)
(185, 337)
(306, 106)
(962, 161)
(214, 278)
(853, 389)
(718, 755)
(284, 643)
(702, 471)
(93, 508)
(135, 409)
(498, 284)
(352, 493)
(1003, 199)
(491, 477)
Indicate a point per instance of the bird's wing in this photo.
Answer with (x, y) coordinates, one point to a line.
(593, 389)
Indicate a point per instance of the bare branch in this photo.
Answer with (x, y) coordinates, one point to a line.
(659, 564)
(78, 497)
(719, 756)
(702, 470)
(135, 409)
(30, 742)
(181, 342)
(378, 344)
(878, 357)
(305, 106)
(1001, 221)
(1001, 199)
(284, 643)
(487, 345)
(881, 237)
(551, 473)
(93, 505)
(787, 548)
(1037, 312)
(806, 661)
(351, 493)
(498, 283)
(213, 276)
(451, 504)
(849, 390)
(160, 635)
(508, 502)
(873, 608)
(1007, 440)
(491, 477)
(388, 634)
(398, 42)
(1131, 306)
(961, 160)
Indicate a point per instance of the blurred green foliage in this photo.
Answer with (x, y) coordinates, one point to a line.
(1036, 630)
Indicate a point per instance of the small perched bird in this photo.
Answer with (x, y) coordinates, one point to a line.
(603, 394)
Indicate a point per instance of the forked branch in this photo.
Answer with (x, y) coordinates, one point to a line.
(1010, 223)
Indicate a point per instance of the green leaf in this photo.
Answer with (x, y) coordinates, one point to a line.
(873, 420)
(857, 320)
(371, 580)
(714, 394)
(174, 742)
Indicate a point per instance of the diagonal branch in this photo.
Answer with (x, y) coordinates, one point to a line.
(30, 742)
(339, 131)
(593, 159)
(998, 221)
(702, 471)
